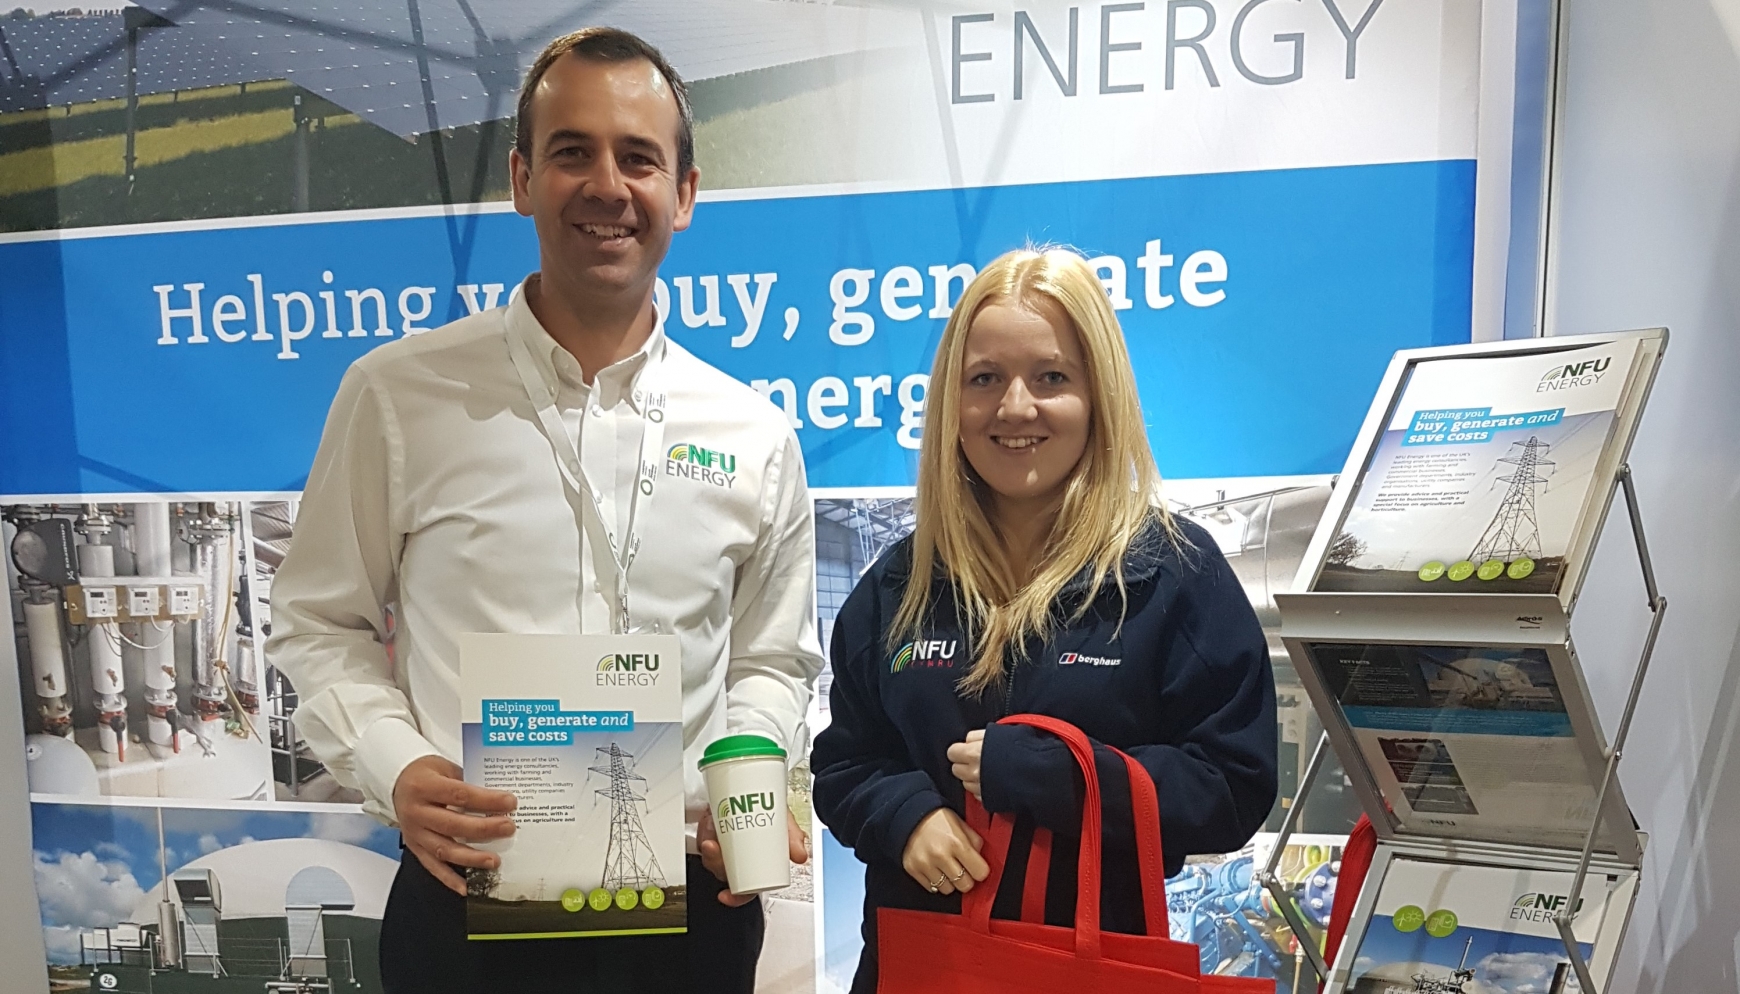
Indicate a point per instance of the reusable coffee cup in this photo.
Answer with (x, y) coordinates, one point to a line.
(745, 777)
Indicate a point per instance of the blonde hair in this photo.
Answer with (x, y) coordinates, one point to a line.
(1110, 497)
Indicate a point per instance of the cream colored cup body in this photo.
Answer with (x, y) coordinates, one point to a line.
(747, 799)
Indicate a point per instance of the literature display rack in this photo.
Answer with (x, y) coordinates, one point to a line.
(1431, 625)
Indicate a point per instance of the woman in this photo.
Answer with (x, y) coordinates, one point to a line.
(1043, 577)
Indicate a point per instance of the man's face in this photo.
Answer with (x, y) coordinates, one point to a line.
(601, 183)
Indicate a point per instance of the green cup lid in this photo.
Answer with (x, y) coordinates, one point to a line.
(740, 747)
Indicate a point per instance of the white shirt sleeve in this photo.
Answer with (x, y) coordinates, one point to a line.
(774, 656)
(329, 601)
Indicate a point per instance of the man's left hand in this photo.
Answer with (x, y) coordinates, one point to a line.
(965, 759)
(713, 858)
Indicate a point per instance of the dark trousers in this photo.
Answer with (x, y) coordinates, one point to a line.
(424, 949)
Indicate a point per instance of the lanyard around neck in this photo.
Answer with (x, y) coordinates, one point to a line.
(612, 557)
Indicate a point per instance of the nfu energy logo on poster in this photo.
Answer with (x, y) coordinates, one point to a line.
(631, 669)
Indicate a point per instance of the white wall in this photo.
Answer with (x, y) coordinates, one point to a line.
(1649, 234)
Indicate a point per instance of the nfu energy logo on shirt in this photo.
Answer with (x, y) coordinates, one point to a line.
(744, 811)
(1539, 907)
(628, 669)
(925, 654)
(692, 462)
(1574, 374)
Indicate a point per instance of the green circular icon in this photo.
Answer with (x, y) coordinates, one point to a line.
(1461, 571)
(1408, 918)
(573, 900)
(1492, 569)
(626, 899)
(652, 898)
(1431, 571)
(1441, 923)
(598, 900)
(1521, 568)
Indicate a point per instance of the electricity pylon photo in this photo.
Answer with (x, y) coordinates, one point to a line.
(1514, 533)
(629, 861)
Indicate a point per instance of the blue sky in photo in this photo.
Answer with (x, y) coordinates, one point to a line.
(1503, 962)
(93, 863)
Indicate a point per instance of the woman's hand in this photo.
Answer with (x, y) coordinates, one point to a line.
(942, 854)
(965, 757)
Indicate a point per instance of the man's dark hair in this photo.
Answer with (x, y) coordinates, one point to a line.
(607, 45)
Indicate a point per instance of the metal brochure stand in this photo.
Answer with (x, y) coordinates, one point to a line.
(1583, 825)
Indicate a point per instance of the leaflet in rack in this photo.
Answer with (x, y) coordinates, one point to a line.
(1487, 471)
(586, 731)
(1464, 741)
(1442, 928)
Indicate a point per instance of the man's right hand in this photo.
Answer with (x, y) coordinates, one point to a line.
(436, 808)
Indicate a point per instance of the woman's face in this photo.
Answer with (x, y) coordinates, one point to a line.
(1024, 401)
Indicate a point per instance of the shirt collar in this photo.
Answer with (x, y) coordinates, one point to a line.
(560, 370)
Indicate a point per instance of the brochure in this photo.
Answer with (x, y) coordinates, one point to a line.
(1465, 741)
(1440, 928)
(1485, 474)
(586, 731)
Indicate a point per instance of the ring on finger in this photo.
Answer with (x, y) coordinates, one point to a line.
(957, 876)
(936, 885)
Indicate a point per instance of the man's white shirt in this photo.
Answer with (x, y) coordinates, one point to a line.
(436, 496)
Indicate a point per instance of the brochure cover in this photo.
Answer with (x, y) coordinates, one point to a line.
(587, 732)
(1484, 475)
(1465, 741)
(1439, 928)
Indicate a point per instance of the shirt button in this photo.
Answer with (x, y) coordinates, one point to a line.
(597, 587)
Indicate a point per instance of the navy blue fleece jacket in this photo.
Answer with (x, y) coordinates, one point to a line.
(1184, 686)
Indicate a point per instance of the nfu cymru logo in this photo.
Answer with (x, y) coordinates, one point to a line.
(1539, 907)
(1574, 374)
(692, 462)
(745, 811)
(628, 669)
(924, 654)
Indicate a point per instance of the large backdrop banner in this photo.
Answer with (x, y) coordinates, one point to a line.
(210, 209)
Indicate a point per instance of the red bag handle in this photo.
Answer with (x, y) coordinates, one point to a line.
(976, 904)
(1038, 858)
(1144, 798)
(1356, 859)
(1038, 867)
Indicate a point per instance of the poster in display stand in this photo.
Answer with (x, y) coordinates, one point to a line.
(1486, 468)
(1453, 735)
(1430, 623)
(1462, 920)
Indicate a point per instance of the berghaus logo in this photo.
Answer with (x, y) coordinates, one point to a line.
(1573, 374)
(628, 669)
(925, 654)
(1073, 658)
(740, 811)
(692, 462)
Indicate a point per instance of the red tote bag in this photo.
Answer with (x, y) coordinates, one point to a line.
(927, 952)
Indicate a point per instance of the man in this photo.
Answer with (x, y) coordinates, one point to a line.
(439, 497)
